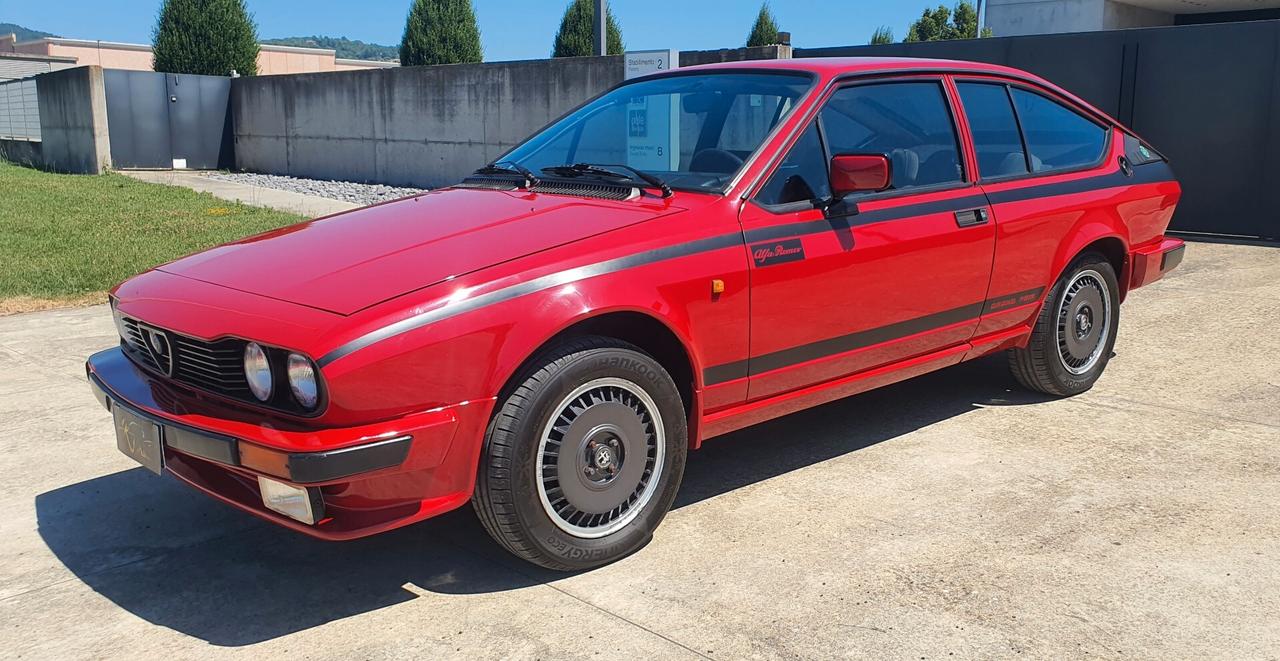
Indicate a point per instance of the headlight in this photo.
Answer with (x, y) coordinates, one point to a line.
(302, 380)
(257, 371)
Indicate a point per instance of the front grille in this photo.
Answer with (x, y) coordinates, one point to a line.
(214, 366)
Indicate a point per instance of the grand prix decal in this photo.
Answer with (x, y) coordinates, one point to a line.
(777, 252)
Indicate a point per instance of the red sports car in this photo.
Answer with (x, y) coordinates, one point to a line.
(685, 255)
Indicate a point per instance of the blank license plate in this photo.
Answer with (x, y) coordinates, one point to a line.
(139, 438)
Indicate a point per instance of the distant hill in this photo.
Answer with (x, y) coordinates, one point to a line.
(346, 48)
(24, 34)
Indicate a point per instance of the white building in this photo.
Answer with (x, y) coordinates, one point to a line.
(1014, 17)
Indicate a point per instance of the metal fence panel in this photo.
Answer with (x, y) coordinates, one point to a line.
(138, 117)
(159, 118)
(19, 110)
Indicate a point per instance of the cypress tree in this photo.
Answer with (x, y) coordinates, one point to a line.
(765, 30)
(440, 32)
(882, 35)
(211, 37)
(576, 31)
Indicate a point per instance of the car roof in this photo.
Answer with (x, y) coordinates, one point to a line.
(835, 66)
(827, 68)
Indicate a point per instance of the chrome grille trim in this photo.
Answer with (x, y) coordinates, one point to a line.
(213, 366)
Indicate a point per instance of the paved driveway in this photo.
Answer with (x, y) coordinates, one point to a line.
(952, 516)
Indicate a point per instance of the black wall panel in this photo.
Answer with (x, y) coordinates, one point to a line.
(1208, 96)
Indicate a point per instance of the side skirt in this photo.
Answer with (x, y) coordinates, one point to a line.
(752, 413)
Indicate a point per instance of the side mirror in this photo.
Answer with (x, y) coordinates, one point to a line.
(860, 173)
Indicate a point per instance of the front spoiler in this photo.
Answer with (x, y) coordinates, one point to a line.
(372, 478)
(302, 467)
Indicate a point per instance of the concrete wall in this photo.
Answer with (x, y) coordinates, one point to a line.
(1008, 18)
(1118, 16)
(421, 126)
(417, 126)
(73, 120)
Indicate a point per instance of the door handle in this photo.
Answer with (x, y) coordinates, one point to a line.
(971, 217)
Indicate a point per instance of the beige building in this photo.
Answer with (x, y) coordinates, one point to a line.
(115, 55)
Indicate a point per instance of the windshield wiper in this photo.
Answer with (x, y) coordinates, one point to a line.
(511, 167)
(580, 169)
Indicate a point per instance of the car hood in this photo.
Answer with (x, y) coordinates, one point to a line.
(350, 261)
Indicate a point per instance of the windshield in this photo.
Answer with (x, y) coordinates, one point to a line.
(692, 131)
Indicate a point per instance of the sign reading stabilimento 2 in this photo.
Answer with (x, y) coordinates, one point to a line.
(653, 122)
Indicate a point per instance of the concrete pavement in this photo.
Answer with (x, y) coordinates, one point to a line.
(952, 516)
(309, 206)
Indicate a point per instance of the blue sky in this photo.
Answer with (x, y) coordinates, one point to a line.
(510, 29)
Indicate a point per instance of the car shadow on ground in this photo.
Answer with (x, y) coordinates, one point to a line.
(178, 559)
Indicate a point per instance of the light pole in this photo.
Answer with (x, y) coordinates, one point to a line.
(599, 42)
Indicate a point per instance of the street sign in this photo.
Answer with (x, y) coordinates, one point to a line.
(644, 62)
(653, 122)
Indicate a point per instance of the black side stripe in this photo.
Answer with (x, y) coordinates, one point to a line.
(1141, 175)
(774, 232)
(861, 339)
(1110, 180)
(455, 308)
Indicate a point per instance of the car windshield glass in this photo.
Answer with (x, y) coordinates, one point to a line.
(692, 131)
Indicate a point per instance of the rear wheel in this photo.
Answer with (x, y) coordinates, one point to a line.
(1075, 331)
(583, 458)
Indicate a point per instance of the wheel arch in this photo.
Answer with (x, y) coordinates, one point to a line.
(652, 334)
(1109, 244)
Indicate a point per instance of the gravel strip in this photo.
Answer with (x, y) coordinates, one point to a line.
(335, 190)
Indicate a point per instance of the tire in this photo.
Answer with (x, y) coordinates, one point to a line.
(623, 417)
(1075, 331)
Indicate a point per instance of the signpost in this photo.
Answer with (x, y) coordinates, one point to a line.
(653, 123)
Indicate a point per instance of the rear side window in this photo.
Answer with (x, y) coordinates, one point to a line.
(994, 129)
(908, 122)
(1057, 137)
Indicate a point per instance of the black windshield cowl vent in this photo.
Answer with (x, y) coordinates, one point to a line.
(604, 191)
(490, 183)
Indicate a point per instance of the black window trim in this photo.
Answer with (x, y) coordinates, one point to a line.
(1108, 127)
(967, 179)
(724, 189)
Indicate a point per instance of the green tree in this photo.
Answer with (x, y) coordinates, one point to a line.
(965, 21)
(883, 35)
(211, 37)
(765, 30)
(440, 32)
(576, 31)
(940, 25)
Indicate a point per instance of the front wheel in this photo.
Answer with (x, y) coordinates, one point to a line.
(583, 458)
(1075, 331)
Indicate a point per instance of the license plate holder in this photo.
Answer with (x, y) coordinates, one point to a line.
(139, 438)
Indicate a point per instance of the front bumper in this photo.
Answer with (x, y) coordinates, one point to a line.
(371, 478)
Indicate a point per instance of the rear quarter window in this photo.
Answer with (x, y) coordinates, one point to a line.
(1138, 152)
(1057, 137)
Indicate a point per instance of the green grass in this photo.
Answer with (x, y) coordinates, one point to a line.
(67, 236)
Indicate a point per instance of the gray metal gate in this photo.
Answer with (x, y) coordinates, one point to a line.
(164, 120)
(1208, 96)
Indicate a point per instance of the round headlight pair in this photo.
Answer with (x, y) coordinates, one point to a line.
(301, 373)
